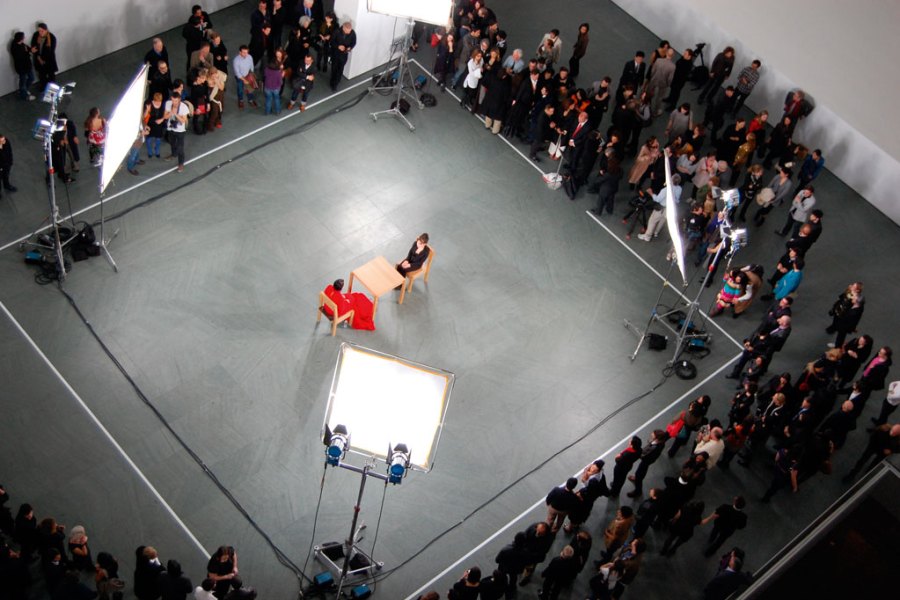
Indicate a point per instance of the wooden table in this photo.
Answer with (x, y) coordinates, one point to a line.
(378, 276)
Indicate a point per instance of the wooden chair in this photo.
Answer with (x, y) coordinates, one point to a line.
(412, 275)
(325, 301)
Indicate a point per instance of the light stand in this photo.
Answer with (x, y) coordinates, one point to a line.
(43, 131)
(405, 84)
(734, 240)
(103, 242)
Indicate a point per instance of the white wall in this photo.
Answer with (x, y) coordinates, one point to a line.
(842, 53)
(86, 30)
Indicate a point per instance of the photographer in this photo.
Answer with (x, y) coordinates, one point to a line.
(176, 117)
(846, 313)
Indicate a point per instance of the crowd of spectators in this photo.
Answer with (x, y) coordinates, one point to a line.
(793, 422)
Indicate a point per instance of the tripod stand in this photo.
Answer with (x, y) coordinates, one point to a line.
(405, 84)
(684, 332)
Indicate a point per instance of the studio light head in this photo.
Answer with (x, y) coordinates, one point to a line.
(337, 443)
(398, 463)
(731, 198)
(42, 127)
(739, 239)
(54, 92)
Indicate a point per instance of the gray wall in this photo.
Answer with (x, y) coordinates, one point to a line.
(842, 53)
(86, 30)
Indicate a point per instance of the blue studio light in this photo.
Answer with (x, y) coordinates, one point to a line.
(398, 463)
(337, 445)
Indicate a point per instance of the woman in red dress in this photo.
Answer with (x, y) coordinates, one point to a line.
(360, 303)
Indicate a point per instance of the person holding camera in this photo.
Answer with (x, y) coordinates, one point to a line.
(176, 117)
(846, 313)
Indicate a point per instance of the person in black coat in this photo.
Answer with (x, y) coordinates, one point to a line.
(467, 587)
(496, 98)
(633, 72)
(512, 560)
(545, 131)
(561, 571)
(261, 45)
(876, 371)
(173, 584)
(6, 163)
(846, 312)
(593, 487)
(729, 578)
(719, 71)
(155, 54)
(494, 586)
(683, 68)
(43, 51)
(856, 352)
(192, 32)
(21, 55)
(625, 460)
(538, 541)
(649, 455)
(560, 501)
(726, 519)
(607, 185)
(714, 117)
(342, 43)
(146, 573)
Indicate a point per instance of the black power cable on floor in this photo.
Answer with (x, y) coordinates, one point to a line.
(282, 557)
(384, 575)
(189, 182)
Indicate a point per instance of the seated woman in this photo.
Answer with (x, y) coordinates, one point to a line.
(417, 256)
(357, 302)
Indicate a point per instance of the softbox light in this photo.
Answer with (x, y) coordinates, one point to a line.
(384, 400)
(123, 127)
(436, 12)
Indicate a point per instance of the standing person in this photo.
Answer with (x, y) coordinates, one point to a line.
(173, 584)
(445, 59)
(467, 587)
(512, 560)
(780, 188)
(21, 55)
(719, 71)
(471, 82)
(176, 116)
(6, 163)
(274, 78)
(561, 571)
(747, 80)
(95, 132)
(683, 67)
(846, 313)
(661, 73)
(146, 573)
(787, 461)
(876, 371)
(625, 460)
(342, 44)
(690, 421)
(155, 118)
(579, 49)
(729, 578)
(243, 73)
(594, 486)
(632, 74)
(889, 404)
(649, 455)
(884, 441)
(682, 527)
(327, 28)
(550, 47)
(560, 501)
(156, 54)
(43, 50)
(714, 117)
(617, 531)
(726, 519)
(538, 541)
(810, 168)
(801, 206)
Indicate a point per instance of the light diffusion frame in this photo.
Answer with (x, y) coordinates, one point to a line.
(123, 127)
(385, 400)
(436, 12)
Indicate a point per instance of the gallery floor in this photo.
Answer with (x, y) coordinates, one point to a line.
(212, 315)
